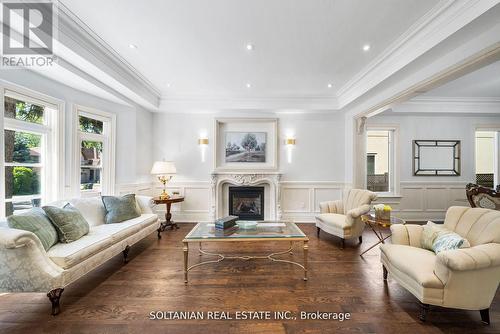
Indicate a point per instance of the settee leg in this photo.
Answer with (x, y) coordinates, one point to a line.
(317, 231)
(125, 254)
(342, 243)
(485, 315)
(360, 239)
(424, 309)
(54, 297)
(385, 273)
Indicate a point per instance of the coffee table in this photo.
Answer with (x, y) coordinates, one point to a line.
(264, 232)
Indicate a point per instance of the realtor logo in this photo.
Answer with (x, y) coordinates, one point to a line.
(28, 33)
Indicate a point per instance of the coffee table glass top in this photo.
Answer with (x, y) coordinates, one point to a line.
(264, 229)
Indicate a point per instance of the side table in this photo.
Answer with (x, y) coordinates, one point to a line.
(377, 226)
(168, 216)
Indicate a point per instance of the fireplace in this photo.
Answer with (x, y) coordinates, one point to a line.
(247, 202)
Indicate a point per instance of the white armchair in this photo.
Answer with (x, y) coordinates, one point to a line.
(465, 278)
(343, 217)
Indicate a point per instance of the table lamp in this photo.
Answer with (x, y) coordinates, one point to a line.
(165, 171)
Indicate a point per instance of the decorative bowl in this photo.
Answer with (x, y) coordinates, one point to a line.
(246, 225)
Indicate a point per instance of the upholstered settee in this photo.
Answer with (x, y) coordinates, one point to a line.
(465, 278)
(25, 266)
(343, 217)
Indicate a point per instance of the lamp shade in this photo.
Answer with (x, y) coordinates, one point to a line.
(163, 168)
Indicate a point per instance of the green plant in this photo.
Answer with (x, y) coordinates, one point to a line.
(25, 181)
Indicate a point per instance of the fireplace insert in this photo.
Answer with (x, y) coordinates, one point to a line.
(247, 202)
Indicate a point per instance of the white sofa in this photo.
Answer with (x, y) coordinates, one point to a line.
(465, 278)
(25, 266)
(343, 217)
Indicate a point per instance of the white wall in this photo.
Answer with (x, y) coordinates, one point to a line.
(315, 174)
(134, 126)
(428, 197)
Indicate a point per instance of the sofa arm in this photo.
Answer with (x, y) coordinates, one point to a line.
(359, 211)
(24, 264)
(145, 203)
(474, 258)
(331, 207)
(407, 234)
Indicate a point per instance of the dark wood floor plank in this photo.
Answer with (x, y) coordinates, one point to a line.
(117, 298)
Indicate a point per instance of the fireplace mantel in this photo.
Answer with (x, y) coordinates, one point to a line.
(219, 179)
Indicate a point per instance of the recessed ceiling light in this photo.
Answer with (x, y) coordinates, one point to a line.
(366, 47)
(249, 47)
(329, 85)
(168, 85)
(249, 85)
(132, 46)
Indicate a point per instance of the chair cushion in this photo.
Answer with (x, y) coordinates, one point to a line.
(333, 219)
(68, 221)
(37, 222)
(66, 255)
(417, 263)
(119, 209)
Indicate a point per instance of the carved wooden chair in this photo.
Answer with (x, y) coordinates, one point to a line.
(482, 197)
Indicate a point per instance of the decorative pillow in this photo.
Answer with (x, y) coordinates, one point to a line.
(68, 221)
(429, 234)
(447, 241)
(37, 222)
(119, 209)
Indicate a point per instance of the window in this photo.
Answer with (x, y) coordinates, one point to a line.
(487, 158)
(380, 176)
(95, 152)
(31, 152)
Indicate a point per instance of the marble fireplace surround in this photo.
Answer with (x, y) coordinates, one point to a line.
(270, 181)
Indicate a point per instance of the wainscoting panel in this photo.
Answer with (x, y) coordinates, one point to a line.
(422, 201)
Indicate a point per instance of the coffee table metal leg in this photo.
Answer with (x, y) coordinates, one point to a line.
(186, 253)
(306, 248)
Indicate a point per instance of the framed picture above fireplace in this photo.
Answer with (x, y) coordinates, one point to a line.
(246, 144)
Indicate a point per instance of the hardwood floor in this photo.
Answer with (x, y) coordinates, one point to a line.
(118, 298)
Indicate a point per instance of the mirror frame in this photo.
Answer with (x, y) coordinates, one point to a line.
(418, 144)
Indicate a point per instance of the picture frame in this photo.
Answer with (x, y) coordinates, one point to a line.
(261, 154)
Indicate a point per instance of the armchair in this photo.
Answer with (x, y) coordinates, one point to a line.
(465, 278)
(343, 217)
(482, 197)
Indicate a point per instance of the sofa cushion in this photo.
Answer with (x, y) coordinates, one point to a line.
(37, 222)
(66, 255)
(68, 221)
(91, 208)
(119, 209)
(125, 229)
(447, 241)
(417, 263)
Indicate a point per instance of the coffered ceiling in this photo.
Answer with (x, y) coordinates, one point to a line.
(198, 48)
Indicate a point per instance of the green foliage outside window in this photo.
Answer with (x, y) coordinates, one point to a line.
(25, 181)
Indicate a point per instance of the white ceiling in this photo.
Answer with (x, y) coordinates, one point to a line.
(484, 82)
(198, 46)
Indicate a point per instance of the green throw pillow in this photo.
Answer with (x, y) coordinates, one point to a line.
(68, 221)
(37, 222)
(119, 209)
(429, 234)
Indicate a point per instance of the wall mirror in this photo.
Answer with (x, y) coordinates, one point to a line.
(436, 157)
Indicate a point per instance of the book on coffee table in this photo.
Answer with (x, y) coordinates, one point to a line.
(226, 222)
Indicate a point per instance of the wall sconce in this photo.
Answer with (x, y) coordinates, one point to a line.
(203, 143)
(289, 145)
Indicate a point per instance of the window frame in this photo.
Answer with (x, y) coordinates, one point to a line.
(108, 137)
(496, 158)
(52, 130)
(394, 158)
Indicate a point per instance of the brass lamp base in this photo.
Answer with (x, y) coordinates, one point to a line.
(164, 195)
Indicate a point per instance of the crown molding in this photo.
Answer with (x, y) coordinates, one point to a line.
(74, 34)
(443, 20)
(455, 105)
(271, 103)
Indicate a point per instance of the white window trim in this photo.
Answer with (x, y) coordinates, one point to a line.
(394, 159)
(54, 163)
(496, 159)
(108, 178)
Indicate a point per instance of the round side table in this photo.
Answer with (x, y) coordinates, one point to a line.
(378, 226)
(168, 216)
